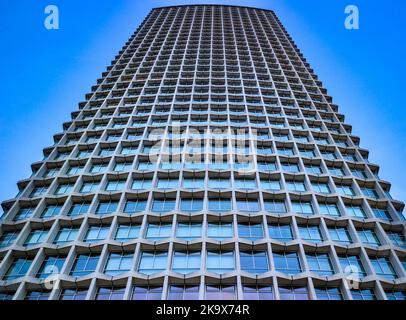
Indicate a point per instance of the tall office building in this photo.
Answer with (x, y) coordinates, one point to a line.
(208, 162)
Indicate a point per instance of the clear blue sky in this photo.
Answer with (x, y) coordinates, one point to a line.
(46, 73)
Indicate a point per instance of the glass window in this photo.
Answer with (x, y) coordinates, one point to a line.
(352, 265)
(110, 293)
(328, 293)
(396, 295)
(321, 187)
(135, 206)
(35, 237)
(270, 184)
(186, 261)
(248, 205)
(219, 183)
(142, 184)
(254, 261)
(340, 234)
(242, 183)
(345, 190)
(266, 166)
(152, 262)
(382, 214)
(368, 236)
(158, 231)
(383, 267)
(320, 263)
(118, 263)
(280, 232)
(96, 233)
(166, 183)
(78, 209)
(310, 233)
(297, 186)
(18, 268)
(183, 292)
(220, 230)
(64, 189)
(191, 204)
(219, 204)
(8, 238)
(88, 187)
(251, 231)
(356, 211)
(363, 294)
(84, 264)
(73, 294)
(189, 231)
(37, 295)
(329, 209)
(287, 262)
(98, 168)
(123, 166)
(163, 205)
(127, 232)
(220, 261)
(52, 265)
(51, 211)
(293, 293)
(66, 235)
(397, 238)
(258, 292)
(302, 207)
(107, 207)
(115, 185)
(290, 167)
(221, 292)
(24, 213)
(146, 293)
(275, 206)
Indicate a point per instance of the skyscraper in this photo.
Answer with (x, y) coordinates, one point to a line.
(208, 162)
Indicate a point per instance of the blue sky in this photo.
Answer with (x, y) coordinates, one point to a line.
(46, 73)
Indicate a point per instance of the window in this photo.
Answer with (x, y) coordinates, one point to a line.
(220, 292)
(297, 186)
(118, 263)
(251, 231)
(345, 190)
(183, 292)
(127, 232)
(135, 206)
(186, 261)
(96, 233)
(189, 231)
(220, 261)
(293, 293)
(287, 262)
(266, 166)
(219, 204)
(310, 233)
(110, 293)
(159, 231)
(219, 183)
(18, 268)
(301, 207)
(320, 263)
(38, 191)
(191, 204)
(52, 265)
(107, 207)
(248, 205)
(313, 169)
(368, 236)
(123, 166)
(270, 184)
(370, 192)
(73, 294)
(382, 214)
(275, 206)
(352, 265)
(142, 184)
(98, 168)
(168, 183)
(146, 293)
(88, 187)
(220, 230)
(363, 294)
(280, 232)
(383, 267)
(152, 262)
(328, 293)
(84, 264)
(340, 234)
(64, 189)
(37, 295)
(356, 211)
(163, 205)
(66, 235)
(290, 167)
(8, 238)
(257, 292)
(115, 185)
(246, 184)
(397, 238)
(35, 237)
(254, 261)
(321, 187)
(393, 295)
(193, 183)
(78, 209)
(24, 213)
(51, 211)
(329, 209)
